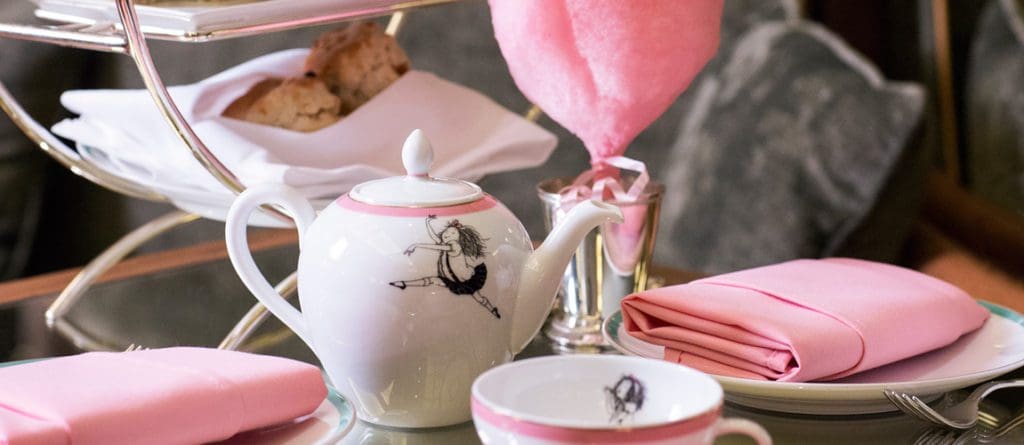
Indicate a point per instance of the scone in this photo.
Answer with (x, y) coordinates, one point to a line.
(356, 62)
(301, 104)
(345, 69)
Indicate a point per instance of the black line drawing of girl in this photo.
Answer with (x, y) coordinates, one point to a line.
(625, 398)
(460, 262)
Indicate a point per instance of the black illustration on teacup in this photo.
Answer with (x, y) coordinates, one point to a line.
(460, 262)
(624, 398)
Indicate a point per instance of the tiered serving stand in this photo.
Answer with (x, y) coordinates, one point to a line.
(128, 36)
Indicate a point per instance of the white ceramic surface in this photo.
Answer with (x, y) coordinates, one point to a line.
(369, 434)
(994, 349)
(405, 306)
(417, 187)
(610, 399)
(205, 19)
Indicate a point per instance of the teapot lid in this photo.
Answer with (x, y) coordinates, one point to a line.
(417, 188)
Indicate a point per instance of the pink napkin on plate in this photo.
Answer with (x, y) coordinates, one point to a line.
(802, 320)
(163, 396)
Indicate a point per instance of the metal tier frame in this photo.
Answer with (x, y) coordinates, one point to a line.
(128, 37)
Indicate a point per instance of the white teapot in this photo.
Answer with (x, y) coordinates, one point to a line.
(412, 286)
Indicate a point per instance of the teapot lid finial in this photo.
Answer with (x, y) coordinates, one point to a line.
(417, 188)
(417, 154)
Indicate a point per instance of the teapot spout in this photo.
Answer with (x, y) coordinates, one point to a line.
(542, 272)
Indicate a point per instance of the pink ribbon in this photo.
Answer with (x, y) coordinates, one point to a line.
(581, 190)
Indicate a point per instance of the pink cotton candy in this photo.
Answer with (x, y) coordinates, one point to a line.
(605, 69)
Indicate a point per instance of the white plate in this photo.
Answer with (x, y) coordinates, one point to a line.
(188, 21)
(190, 198)
(994, 349)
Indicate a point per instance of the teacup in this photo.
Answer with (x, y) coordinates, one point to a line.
(601, 399)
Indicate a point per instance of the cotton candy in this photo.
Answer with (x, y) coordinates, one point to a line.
(605, 69)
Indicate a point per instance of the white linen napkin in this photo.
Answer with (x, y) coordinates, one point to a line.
(471, 134)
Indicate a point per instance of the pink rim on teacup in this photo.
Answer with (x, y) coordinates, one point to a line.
(515, 424)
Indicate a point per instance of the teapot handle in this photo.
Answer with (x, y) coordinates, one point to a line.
(241, 257)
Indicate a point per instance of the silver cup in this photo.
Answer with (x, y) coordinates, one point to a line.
(611, 263)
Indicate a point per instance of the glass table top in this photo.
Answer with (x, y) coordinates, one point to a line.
(198, 304)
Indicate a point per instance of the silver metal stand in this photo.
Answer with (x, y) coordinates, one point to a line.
(256, 316)
(87, 276)
(129, 38)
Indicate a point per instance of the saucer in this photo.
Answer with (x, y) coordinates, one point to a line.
(994, 349)
(368, 433)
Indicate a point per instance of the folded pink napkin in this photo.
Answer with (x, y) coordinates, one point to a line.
(164, 396)
(802, 320)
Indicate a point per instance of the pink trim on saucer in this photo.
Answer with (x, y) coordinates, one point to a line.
(476, 206)
(596, 435)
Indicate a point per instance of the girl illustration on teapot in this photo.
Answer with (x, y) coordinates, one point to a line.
(460, 262)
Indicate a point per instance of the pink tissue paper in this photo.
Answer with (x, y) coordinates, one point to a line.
(605, 69)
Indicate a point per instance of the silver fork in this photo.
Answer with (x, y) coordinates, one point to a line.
(988, 431)
(960, 416)
(937, 437)
(1003, 428)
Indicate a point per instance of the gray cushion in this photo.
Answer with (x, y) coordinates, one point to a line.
(784, 152)
(995, 106)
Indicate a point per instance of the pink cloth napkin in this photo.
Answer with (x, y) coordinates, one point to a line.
(802, 320)
(164, 396)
